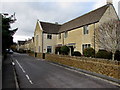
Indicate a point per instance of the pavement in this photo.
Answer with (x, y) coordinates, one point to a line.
(8, 76)
(0, 71)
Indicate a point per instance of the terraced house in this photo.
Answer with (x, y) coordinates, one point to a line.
(26, 45)
(78, 33)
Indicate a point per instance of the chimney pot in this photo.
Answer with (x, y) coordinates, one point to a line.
(109, 2)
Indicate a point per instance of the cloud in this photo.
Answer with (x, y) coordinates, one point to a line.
(27, 14)
(59, 11)
(100, 3)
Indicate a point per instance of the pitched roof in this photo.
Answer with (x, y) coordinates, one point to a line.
(21, 42)
(86, 19)
(50, 28)
(89, 18)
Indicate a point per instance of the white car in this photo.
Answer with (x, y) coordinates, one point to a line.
(10, 51)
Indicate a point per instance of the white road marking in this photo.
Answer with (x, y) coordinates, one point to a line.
(87, 74)
(13, 63)
(20, 66)
(40, 59)
(29, 79)
(24, 72)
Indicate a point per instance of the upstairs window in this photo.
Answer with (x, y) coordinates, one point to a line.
(66, 34)
(49, 36)
(85, 29)
(37, 38)
(39, 48)
(59, 36)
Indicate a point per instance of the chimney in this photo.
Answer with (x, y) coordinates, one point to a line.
(109, 1)
(56, 23)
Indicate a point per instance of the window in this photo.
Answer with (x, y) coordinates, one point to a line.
(84, 46)
(85, 29)
(49, 49)
(60, 36)
(39, 49)
(49, 36)
(66, 34)
(37, 38)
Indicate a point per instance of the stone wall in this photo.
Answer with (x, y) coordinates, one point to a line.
(101, 66)
(31, 54)
(38, 55)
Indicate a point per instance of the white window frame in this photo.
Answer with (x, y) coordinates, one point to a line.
(49, 36)
(84, 46)
(38, 48)
(86, 30)
(37, 37)
(49, 47)
(66, 34)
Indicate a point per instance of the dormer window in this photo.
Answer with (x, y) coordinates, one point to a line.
(49, 36)
(85, 29)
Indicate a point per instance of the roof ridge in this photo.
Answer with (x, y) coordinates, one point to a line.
(87, 13)
(85, 19)
(49, 23)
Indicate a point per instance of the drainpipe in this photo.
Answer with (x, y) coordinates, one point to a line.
(63, 38)
(94, 38)
(43, 53)
(42, 42)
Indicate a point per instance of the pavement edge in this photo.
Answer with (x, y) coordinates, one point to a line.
(90, 73)
(15, 75)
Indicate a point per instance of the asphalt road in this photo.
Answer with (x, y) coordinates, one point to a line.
(36, 73)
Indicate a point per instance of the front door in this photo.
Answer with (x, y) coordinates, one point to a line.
(71, 50)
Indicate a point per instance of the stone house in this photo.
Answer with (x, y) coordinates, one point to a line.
(78, 33)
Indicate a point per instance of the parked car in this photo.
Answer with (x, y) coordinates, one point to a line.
(10, 51)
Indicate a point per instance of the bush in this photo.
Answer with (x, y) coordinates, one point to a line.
(104, 54)
(117, 55)
(76, 53)
(89, 52)
(57, 49)
(64, 50)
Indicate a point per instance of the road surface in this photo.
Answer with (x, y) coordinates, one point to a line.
(36, 73)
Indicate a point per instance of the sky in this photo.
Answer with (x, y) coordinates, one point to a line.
(28, 12)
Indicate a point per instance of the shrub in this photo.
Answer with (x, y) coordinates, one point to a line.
(89, 52)
(76, 53)
(104, 54)
(117, 55)
(57, 49)
(64, 50)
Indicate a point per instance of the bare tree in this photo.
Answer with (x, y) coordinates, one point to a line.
(107, 36)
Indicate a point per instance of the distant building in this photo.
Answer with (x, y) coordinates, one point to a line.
(20, 45)
(26, 45)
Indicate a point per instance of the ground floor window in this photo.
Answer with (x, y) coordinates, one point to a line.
(39, 49)
(84, 46)
(49, 49)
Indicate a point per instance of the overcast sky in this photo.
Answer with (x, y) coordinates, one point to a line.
(61, 11)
